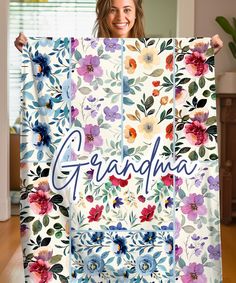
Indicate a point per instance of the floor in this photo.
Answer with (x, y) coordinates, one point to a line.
(11, 258)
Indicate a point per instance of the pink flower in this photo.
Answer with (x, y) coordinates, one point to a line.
(196, 133)
(193, 206)
(95, 213)
(40, 202)
(40, 270)
(119, 182)
(141, 198)
(193, 273)
(89, 198)
(196, 64)
(147, 213)
(92, 137)
(167, 180)
(90, 68)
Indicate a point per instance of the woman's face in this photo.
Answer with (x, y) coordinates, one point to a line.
(121, 18)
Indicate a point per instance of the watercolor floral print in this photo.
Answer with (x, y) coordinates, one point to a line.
(122, 94)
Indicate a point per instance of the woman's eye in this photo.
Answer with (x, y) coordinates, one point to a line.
(112, 10)
(127, 10)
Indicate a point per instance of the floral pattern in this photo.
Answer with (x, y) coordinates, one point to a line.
(122, 94)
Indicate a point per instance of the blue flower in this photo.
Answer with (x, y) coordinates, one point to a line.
(214, 252)
(46, 42)
(111, 44)
(170, 227)
(145, 265)
(117, 202)
(93, 264)
(45, 105)
(169, 244)
(69, 89)
(41, 65)
(111, 113)
(41, 135)
(126, 87)
(118, 227)
(122, 275)
(97, 237)
(149, 237)
(120, 245)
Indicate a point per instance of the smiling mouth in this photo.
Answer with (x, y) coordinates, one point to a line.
(120, 25)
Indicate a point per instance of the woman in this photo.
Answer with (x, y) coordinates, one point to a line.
(119, 19)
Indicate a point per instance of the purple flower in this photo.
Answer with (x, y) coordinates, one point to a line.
(117, 227)
(117, 202)
(111, 113)
(193, 273)
(178, 183)
(213, 183)
(90, 174)
(111, 44)
(214, 252)
(91, 98)
(93, 42)
(178, 252)
(74, 113)
(193, 206)
(90, 68)
(74, 44)
(169, 202)
(92, 137)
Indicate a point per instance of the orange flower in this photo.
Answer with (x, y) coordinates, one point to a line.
(156, 83)
(169, 131)
(130, 134)
(164, 100)
(155, 92)
(169, 62)
(130, 65)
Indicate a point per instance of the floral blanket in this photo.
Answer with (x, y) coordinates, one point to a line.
(119, 161)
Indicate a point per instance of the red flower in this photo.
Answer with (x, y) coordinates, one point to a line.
(40, 202)
(141, 198)
(196, 133)
(119, 182)
(89, 198)
(196, 64)
(167, 180)
(156, 83)
(169, 62)
(147, 213)
(95, 213)
(41, 272)
(169, 131)
(155, 92)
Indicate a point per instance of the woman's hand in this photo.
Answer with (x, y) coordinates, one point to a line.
(216, 43)
(20, 41)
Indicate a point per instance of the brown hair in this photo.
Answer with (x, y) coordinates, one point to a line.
(103, 8)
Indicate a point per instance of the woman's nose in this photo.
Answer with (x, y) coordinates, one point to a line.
(120, 15)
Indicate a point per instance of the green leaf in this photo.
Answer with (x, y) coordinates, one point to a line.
(192, 88)
(193, 155)
(156, 73)
(149, 102)
(37, 227)
(57, 268)
(85, 90)
(188, 229)
(45, 220)
(202, 151)
(55, 259)
(202, 82)
(226, 26)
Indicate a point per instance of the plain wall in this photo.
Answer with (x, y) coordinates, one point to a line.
(205, 25)
(160, 18)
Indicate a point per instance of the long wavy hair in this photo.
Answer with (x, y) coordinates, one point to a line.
(102, 10)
